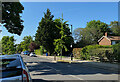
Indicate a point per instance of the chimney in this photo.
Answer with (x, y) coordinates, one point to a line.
(106, 34)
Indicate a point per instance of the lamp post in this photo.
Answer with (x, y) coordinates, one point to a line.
(71, 45)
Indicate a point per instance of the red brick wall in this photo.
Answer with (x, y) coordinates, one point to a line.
(105, 41)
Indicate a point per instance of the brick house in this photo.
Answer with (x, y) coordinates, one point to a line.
(108, 40)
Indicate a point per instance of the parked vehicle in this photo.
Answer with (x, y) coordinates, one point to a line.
(12, 68)
(26, 53)
(32, 54)
(22, 53)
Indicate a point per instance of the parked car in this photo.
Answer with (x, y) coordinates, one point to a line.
(22, 53)
(12, 68)
(32, 54)
(26, 53)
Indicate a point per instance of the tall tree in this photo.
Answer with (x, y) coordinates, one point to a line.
(60, 43)
(46, 32)
(93, 32)
(69, 39)
(76, 34)
(8, 45)
(11, 17)
(115, 27)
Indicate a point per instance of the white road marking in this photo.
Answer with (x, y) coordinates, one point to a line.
(69, 75)
(76, 77)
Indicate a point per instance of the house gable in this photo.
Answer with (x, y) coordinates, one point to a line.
(103, 37)
(104, 41)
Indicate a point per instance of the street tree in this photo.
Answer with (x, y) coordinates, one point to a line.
(46, 32)
(19, 48)
(11, 17)
(60, 43)
(26, 42)
(115, 27)
(33, 46)
(69, 39)
(8, 45)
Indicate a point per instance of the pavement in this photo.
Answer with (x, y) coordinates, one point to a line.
(44, 69)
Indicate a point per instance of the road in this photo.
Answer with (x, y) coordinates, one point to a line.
(43, 70)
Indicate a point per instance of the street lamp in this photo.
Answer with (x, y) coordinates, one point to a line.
(71, 43)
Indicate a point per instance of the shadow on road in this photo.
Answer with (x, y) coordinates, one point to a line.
(49, 68)
(40, 80)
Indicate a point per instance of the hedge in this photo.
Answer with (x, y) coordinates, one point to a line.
(90, 50)
(99, 52)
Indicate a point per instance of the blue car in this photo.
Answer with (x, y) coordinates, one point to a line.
(26, 53)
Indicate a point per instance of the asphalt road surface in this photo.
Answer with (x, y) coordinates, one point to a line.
(44, 70)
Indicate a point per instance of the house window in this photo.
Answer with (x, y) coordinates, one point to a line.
(118, 41)
(113, 42)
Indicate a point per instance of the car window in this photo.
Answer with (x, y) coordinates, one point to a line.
(6, 63)
(10, 68)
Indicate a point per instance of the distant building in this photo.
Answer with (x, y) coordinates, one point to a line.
(108, 40)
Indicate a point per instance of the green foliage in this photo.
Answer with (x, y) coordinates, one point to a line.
(49, 30)
(59, 43)
(37, 52)
(93, 50)
(46, 32)
(115, 28)
(8, 45)
(11, 17)
(40, 51)
(103, 53)
(24, 45)
(93, 31)
(116, 51)
(19, 49)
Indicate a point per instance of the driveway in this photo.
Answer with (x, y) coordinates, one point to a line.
(44, 70)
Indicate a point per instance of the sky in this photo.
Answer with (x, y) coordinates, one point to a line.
(76, 13)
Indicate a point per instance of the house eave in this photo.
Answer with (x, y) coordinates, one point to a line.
(103, 37)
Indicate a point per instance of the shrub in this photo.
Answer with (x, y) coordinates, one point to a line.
(94, 50)
(41, 50)
(116, 51)
(37, 52)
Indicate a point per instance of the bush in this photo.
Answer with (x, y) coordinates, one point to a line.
(96, 51)
(116, 51)
(40, 51)
(37, 52)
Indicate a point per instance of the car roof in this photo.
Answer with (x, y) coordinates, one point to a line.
(9, 56)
